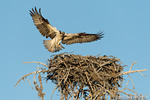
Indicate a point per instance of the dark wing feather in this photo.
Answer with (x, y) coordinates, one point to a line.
(42, 24)
(81, 38)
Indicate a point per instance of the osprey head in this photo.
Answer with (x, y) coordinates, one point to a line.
(62, 32)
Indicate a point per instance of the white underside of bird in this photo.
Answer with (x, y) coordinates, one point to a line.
(54, 45)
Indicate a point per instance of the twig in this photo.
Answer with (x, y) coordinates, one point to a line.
(125, 93)
(89, 81)
(67, 76)
(37, 62)
(125, 86)
(132, 72)
(40, 80)
(29, 82)
(131, 81)
(131, 90)
(142, 74)
(35, 74)
(53, 92)
(132, 65)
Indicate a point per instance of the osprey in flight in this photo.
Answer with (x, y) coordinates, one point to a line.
(57, 36)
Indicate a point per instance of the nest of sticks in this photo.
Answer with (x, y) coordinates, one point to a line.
(85, 76)
(88, 77)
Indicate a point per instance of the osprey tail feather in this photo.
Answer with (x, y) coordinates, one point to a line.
(51, 46)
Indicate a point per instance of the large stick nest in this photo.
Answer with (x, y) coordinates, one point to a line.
(89, 77)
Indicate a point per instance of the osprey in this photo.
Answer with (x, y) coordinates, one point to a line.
(57, 36)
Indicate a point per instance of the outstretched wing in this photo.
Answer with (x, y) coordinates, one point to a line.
(42, 24)
(81, 38)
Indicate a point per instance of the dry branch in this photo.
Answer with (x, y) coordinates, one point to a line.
(37, 62)
(129, 72)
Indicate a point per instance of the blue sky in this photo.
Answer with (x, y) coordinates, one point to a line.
(126, 24)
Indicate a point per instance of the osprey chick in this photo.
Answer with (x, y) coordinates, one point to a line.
(54, 45)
